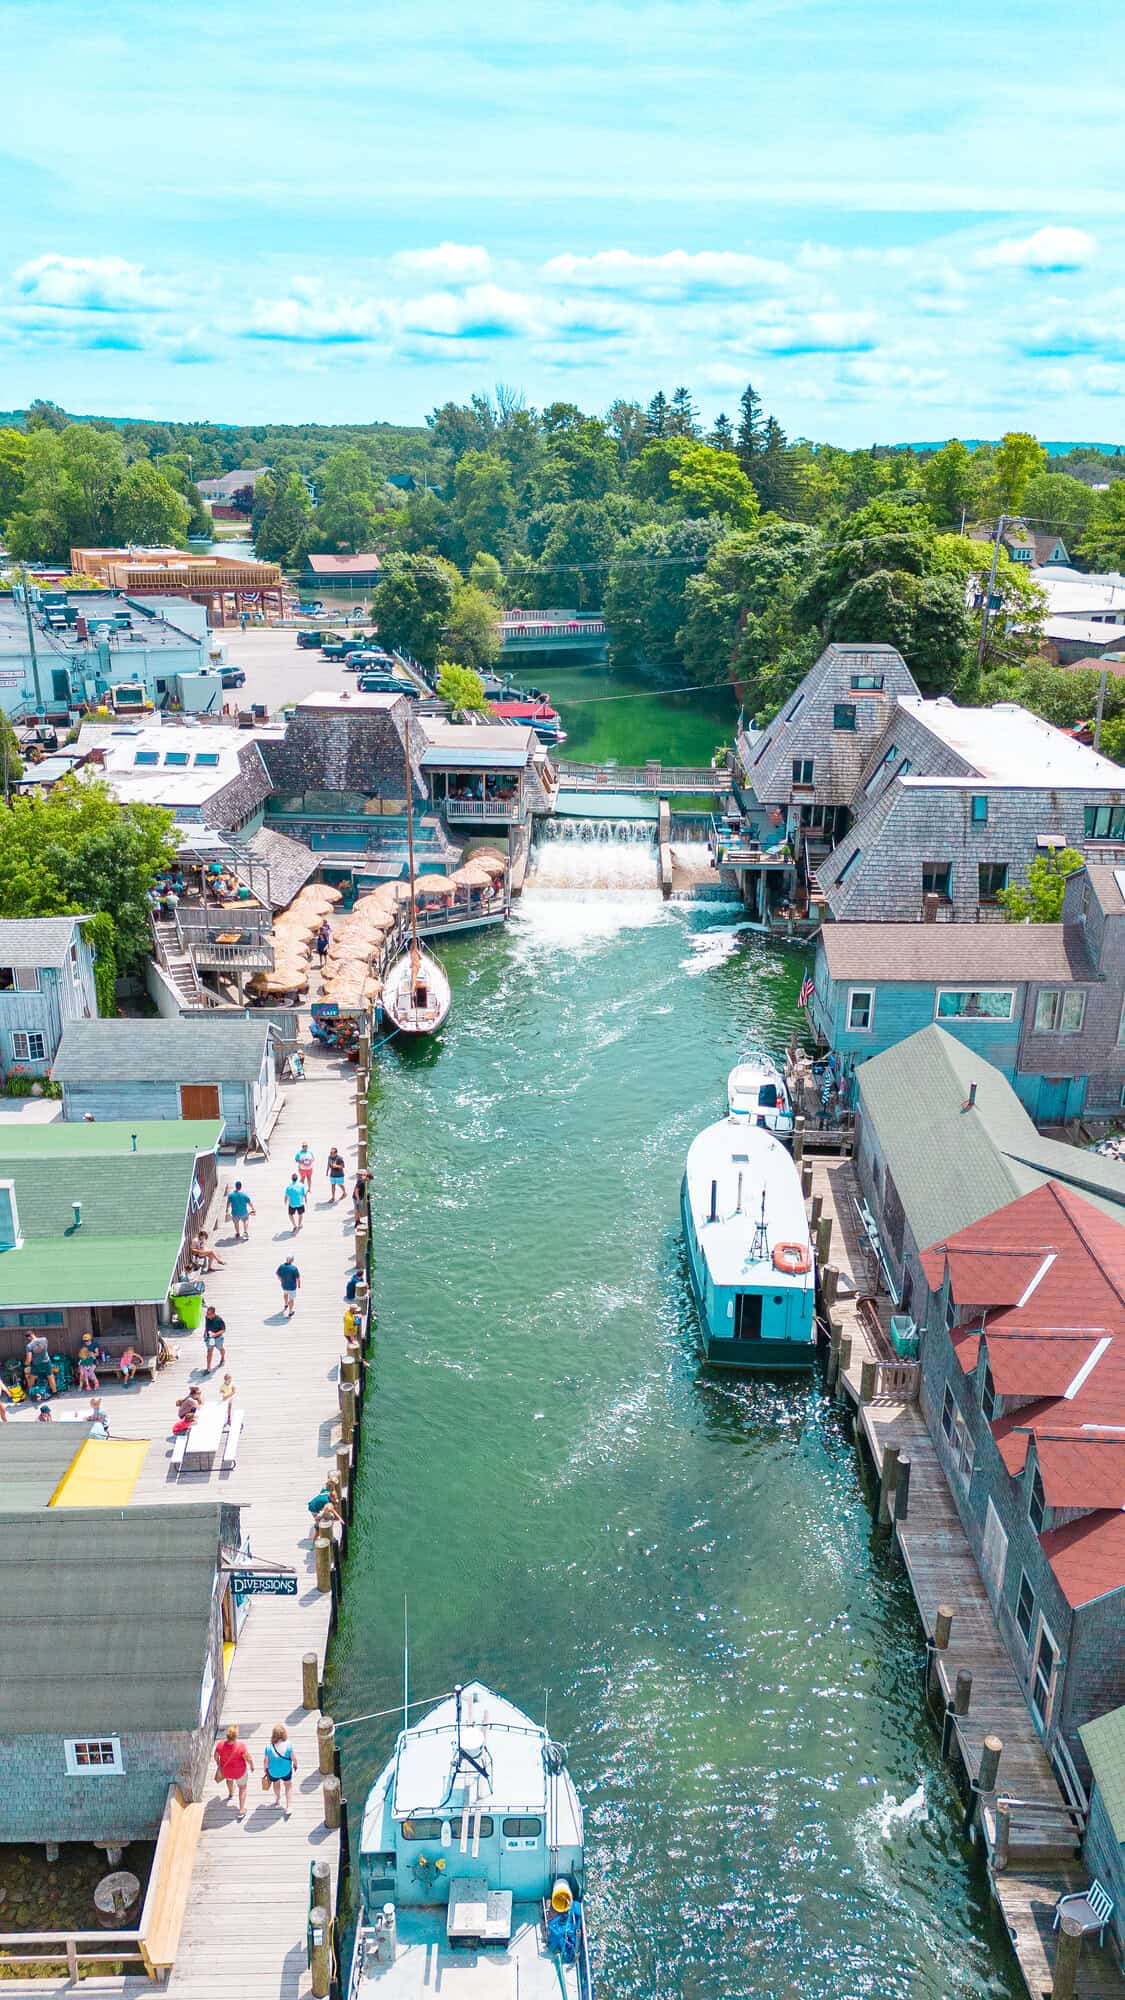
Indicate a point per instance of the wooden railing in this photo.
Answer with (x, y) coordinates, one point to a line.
(496, 809)
(72, 1949)
(897, 1381)
(642, 778)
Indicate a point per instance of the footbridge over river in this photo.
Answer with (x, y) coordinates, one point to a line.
(656, 780)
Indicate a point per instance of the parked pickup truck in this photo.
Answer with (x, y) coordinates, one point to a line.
(336, 649)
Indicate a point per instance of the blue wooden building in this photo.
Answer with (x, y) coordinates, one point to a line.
(46, 980)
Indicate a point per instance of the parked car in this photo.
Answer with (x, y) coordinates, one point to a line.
(387, 684)
(232, 677)
(310, 639)
(336, 649)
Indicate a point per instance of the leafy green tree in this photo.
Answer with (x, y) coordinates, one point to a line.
(346, 514)
(1040, 900)
(737, 612)
(79, 850)
(1018, 456)
(38, 529)
(46, 416)
(486, 574)
(282, 531)
(706, 481)
(484, 505)
(580, 463)
(93, 468)
(626, 424)
(1112, 742)
(1103, 544)
(644, 600)
(947, 477)
(412, 603)
(1054, 501)
(569, 553)
(472, 633)
(462, 688)
(751, 430)
(147, 509)
(460, 427)
(14, 447)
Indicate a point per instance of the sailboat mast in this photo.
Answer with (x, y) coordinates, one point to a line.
(410, 851)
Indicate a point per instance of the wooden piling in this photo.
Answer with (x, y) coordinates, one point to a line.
(815, 1215)
(1003, 1835)
(310, 1681)
(320, 1885)
(823, 1238)
(991, 1750)
(835, 1335)
(963, 1692)
(845, 1364)
(902, 1487)
(326, 1746)
(347, 1411)
(829, 1285)
(344, 1465)
(943, 1626)
(349, 1368)
(798, 1139)
(320, 1955)
(323, 1553)
(867, 1382)
(887, 1483)
(1065, 1982)
(806, 1178)
(331, 1804)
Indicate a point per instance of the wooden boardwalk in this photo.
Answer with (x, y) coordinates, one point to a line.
(244, 1932)
(943, 1571)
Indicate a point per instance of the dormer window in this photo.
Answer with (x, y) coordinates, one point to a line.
(988, 1398)
(1037, 1502)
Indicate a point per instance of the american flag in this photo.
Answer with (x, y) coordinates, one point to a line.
(807, 990)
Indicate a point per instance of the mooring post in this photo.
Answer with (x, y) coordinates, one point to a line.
(962, 1692)
(845, 1364)
(323, 1553)
(867, 1382)
(320, 1886)
(943, 1626)
(1003, 1835)
(823, 1238)
(1065, 1982)
(349, 1368)
(347, 1411)
(320, 1955)
(902, 1488)
(806, 1178)
(835, 1335)
(990, 1754)
(344, 1464)
(332, 1803)
(310, 1681)
(887, 1482)
(829, 1285)
(798, 1139)
(814, 1217)
(326, 1746)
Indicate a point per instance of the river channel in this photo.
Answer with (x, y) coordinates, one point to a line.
(683, 1567)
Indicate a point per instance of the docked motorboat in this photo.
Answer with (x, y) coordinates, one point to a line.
(749, 1248)
(471, 1862)
(757, 1095)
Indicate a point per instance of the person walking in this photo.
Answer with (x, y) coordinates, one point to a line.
(337, 1175)
(233, 1765)
(323, 941)
(306, 1161)
(227, 1393)
(239, 1209)
(290, 1279)
(214, 1339)
(281, 1765)
(296, 1196)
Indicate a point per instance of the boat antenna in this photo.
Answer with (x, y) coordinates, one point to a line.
(760, 1247)
(410, 851)
(405, 1663)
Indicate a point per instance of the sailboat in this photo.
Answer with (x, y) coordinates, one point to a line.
(416, 994)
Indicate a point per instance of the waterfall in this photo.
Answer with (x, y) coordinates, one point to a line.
(579, 855)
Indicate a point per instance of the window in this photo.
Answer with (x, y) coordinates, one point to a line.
(796, 705)
(1060, 1011)
(937, 880)
(147, 757)
(992, 876)
(948, 1412)
(93, 1756)
(904, 767)
(7, 979)
(177, 757)
(881, 769)
(1037, 1502)
(980, 809)
(1105, 822)
(975, 1003)
(521, 1828)
(27, 1047)
(861, 1009)
(8, 1319)
(208, 758)
(961, 1446)
(988, 1395)
(1025, 1608)
(802, 770)
(20, 979)
(1121, 1099)
(867, 683)
(843, 715)
(849, 865)
(430, 1829)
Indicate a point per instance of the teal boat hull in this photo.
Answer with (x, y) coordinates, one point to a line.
(759, 1356)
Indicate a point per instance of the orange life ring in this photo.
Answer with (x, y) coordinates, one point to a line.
(792, 1258)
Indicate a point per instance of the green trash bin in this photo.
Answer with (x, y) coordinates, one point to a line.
(188, 1308)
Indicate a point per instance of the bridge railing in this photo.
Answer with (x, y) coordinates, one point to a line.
(642, 778)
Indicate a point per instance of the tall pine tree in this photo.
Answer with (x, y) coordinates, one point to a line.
(656, 418)
(682, 419)
(772, 474)
(751, 430)
(722, 437)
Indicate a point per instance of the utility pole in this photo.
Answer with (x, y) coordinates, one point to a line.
(1001, 524)
(1102, 679)
(31, 640)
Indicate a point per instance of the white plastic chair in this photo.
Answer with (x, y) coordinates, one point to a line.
(1092, 1909)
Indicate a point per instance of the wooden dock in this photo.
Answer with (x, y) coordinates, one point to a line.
(243, 1936)
(1042, 1862)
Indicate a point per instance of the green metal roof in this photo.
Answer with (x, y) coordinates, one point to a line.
(134, 1207)
(33, 1459)
(952, 1166)
(1104, 1741)
(106, 1618)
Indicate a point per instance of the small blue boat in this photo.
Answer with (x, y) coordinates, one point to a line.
(471, 1862)
(749, 1248)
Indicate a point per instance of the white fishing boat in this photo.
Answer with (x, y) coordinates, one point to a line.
(749, 1248)
(757, 1095)
(471, 1862)
(416, 996)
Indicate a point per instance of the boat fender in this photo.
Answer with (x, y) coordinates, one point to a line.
(562, 1896)
(792, 1258)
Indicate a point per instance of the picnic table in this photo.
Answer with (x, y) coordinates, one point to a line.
(204, 1438)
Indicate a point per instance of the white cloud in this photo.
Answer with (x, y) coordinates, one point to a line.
(672, 273)
(91, 284)
(447, 263)
(1052, 249)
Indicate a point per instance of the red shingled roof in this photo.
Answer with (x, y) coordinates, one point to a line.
(1087, 1471)
(1037, 1364)
(1088, 1556)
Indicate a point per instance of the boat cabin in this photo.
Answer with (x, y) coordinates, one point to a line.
(749, 1250)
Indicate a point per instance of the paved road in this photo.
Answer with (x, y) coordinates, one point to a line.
(276, 668)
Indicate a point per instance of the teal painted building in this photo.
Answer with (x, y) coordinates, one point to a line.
(1042, 1003)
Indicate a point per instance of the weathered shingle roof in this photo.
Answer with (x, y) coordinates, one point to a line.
(36, 940)
(106, 1618)
(966, 954)
(952, 1166)
(804, 726)
(290, 863)
(214, 1049)
(1104, 1744)
(344, 566)
(1108, 885)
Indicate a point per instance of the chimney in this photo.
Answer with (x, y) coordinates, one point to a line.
(970, 1101)
(77, 1207)
(929, 908)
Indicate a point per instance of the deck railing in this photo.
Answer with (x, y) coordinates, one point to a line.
(897, 1381)
(489, 809)
(642, 778)
(72, 1949)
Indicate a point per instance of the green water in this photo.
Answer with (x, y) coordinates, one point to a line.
(686, 1564)
(621, 715)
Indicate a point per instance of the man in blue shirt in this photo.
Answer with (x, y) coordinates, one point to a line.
(295, 1202)
(290, 1279)
(239, 1209)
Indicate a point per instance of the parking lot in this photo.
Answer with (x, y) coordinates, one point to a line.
(278, 670)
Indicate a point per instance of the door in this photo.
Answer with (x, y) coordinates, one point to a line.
(748, 1316)
(1043, 1677)
(199, 1100)
(994, 1554)
(1054, 1091)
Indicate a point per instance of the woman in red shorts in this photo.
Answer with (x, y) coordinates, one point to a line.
(233, 1763)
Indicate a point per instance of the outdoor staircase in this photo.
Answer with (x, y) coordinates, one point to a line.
(175, 960)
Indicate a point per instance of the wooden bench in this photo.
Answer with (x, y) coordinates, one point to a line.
(169, 1884)
(178, 1450)
(231, 1436)
(146, 1365)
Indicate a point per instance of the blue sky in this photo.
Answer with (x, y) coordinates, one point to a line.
(899, 220)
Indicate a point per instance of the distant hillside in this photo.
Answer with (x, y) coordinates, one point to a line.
(1053, 447)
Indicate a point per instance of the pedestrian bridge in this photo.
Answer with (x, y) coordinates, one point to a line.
(659, 780)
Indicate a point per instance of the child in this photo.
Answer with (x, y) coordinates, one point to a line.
(129, 1363)
(87, 1369)
(227, 1395)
